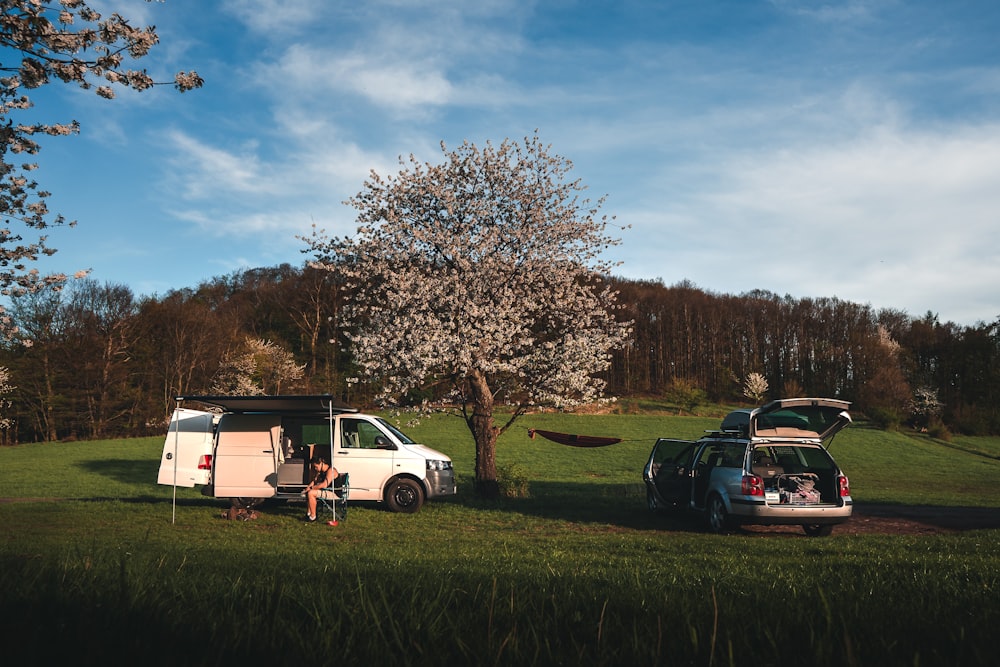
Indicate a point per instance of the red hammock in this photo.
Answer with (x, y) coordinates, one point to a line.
(573, 440)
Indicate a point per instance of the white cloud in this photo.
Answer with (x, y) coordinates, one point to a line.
(394, 84)
(209, 172)
(902, 219)
(276, 17)
(832, 12)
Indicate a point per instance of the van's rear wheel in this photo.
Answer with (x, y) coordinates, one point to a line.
(404, 495)
(818, 530)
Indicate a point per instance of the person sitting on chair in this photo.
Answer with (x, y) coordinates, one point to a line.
(322, 478)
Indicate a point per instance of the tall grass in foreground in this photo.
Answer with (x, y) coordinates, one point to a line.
(92, 570)
(507, 590)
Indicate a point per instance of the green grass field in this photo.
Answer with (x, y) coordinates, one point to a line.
(94, 568)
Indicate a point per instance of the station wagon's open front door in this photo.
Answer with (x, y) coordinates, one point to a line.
(671, 470)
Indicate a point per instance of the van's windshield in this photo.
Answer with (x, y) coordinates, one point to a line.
(402, 437)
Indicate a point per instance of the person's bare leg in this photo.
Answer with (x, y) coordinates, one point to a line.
(311, 503)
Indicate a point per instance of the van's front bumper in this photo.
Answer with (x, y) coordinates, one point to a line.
(441, 483)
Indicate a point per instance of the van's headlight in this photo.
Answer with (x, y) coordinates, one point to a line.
(438, 465)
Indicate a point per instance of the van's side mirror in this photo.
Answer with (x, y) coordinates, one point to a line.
(381, 442)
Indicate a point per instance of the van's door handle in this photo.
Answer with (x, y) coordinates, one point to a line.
(268, 451)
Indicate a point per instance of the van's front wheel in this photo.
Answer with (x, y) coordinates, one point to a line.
(404, 495)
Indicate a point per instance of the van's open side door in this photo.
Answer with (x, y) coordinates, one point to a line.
(246, 458)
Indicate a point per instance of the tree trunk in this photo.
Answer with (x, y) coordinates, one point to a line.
(484, 432)
(49, 401)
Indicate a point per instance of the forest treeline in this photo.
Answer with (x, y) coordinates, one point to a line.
(97, 361)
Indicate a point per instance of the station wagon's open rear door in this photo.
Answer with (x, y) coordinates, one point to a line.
(819, 418)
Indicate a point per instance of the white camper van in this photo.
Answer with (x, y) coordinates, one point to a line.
(251, 448)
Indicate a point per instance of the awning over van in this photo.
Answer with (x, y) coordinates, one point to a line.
(317, 404)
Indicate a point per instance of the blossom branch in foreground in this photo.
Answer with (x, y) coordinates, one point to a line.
(42, 43)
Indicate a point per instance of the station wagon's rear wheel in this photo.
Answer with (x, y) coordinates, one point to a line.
(404, 495)
(715, 515)
(818, 530)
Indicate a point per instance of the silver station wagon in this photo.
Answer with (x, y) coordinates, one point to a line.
(766, 466)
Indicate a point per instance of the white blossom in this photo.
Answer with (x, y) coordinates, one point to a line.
(755, 387)
(925, 403)
(5, 389)
(257, 368)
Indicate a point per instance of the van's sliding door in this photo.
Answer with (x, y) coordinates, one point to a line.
(246, 458)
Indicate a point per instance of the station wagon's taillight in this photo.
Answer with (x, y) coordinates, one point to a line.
(752, 485)
(205, 463)
(845, 486)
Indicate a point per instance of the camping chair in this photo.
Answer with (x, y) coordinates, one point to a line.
(335, 500)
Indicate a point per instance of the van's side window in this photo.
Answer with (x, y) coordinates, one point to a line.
(360, 434)
(349, 438)
(301, 436)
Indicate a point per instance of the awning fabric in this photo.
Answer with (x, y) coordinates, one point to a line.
(317, 404)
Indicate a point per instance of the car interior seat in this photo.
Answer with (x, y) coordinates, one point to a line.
(766, 468)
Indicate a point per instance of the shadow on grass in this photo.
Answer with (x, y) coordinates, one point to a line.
(127, 471)
(624, 506)
(949, 518)
(618, 505)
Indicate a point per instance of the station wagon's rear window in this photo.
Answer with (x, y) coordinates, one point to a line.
(814, 418)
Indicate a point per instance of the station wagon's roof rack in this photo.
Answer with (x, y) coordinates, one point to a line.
(725, 433)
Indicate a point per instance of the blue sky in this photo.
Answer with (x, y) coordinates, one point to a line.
(805, 147)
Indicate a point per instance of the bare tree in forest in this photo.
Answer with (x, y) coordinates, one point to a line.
(39, 319)
(100, 333)
(42, 42)
(308, 306)
(180, 341)
(886, 392)
(483, 274)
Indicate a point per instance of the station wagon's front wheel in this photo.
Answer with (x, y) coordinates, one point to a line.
(716, 516)
(404, 495)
